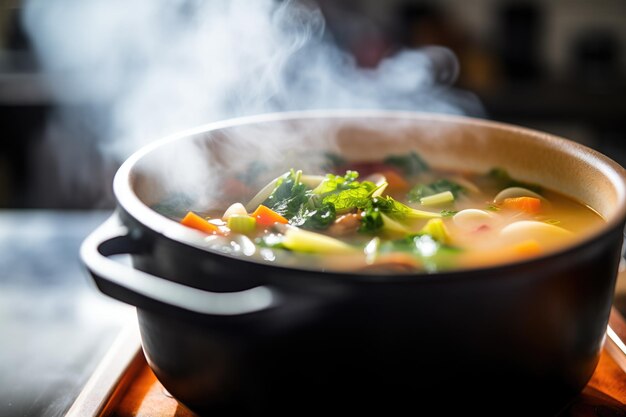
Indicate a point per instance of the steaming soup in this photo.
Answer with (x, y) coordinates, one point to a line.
(397, 216)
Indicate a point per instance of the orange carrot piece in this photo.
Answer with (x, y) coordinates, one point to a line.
(395, 181)
(196, 222)
(529, 205)
(527, 248)
(267, 217)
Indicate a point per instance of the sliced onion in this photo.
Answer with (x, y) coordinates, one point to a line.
(381, 182)
(236, 208)
(262, 195)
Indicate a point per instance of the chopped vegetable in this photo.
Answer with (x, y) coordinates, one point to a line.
(243, 224)
(366, 213)
(437, 230)
(311, 217)
(267, 217)
(529, 205)
(397, 184)
(513, 192)
(391, 226)
(354, 198)
(372, 220)
(196, 222)
(334, 160)
(436, 199)
(410, 164)
(528, 248)
(290, 193)
(433, 254)
(236, 208)
(174, 206)
(300, 240)
(425, 190)
(504, 180)
(400, 211)
(334, 183)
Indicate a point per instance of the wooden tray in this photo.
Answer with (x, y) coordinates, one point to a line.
(125, 386)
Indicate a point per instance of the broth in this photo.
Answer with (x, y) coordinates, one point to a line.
(395, 216)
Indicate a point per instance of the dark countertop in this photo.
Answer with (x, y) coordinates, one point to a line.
(54, 324)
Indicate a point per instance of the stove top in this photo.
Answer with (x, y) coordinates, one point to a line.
(55, 327)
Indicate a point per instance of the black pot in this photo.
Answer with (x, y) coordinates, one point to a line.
(229, 333)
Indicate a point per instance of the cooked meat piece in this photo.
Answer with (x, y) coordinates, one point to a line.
(346, 224)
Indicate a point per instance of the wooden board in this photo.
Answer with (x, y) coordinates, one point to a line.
(125, 386)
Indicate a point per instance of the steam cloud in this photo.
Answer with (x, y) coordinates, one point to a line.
(127, 72)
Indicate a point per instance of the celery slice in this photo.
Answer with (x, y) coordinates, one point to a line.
(300, 240)
(243, 224)
(440, 198)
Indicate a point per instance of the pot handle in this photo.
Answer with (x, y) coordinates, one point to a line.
(144, 290)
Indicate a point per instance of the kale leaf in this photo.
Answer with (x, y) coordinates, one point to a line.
(346, 193)
(439, 186)
(434, 255)
(504, 180)
(371, 220)
(410, 164)
(288, 195)
(310, 217)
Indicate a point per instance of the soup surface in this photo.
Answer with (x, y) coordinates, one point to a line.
(394, 216)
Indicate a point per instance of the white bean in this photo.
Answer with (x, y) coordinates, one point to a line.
(529, 229)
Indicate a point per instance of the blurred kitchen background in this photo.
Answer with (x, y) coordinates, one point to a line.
(555, 65)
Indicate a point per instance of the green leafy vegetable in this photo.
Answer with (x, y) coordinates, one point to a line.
(357, 198)
(434, 255)
(333, 183)
(410, 164)
(371, 221)
(448, 213)
(334, 161)
(373, 218)
(253, 172)
(311, 217)
(345, 193)
(174, 206)
(425, 190)
(504, 180)
(399, 211)
(290, 193)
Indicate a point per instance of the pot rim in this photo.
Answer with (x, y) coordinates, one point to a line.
(170, 229)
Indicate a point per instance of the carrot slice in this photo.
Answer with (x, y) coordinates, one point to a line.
(530, 205)
(194, 221)
(395, 181)
(267, 217)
